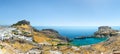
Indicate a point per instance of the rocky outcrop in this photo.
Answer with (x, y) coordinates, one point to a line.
(21, 22)
(53, 34)
(105, 31)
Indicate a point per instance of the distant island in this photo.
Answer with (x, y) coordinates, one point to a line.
(23, 38)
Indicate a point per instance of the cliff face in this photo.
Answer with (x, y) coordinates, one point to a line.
(105, 31)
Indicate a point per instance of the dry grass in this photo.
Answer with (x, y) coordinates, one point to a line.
(25, 28)
(40, 37)
(23, 47)
(100, 48)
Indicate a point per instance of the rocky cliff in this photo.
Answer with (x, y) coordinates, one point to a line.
(105, 31)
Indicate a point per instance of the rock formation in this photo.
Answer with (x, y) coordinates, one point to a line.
(53, 34)
(105, 31)
(22, 22)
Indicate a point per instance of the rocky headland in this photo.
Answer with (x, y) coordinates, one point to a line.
(106, 31)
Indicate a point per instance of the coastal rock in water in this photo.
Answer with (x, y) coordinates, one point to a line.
(105, 31)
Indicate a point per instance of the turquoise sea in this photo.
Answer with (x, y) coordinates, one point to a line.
(75, 31)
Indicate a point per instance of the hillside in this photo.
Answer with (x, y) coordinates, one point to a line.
(22, 38)
(43, 36)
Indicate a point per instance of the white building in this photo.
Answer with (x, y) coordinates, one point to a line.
(6, 33)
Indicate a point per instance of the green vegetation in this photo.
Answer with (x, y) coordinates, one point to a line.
(15, 32)
(51, 36)
(25, 33)
(1, 46)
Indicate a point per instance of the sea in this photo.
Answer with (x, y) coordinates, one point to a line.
(72, 32)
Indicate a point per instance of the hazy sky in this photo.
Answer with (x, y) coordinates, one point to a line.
(61, 12)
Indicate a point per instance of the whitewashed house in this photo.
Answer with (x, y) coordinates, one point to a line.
(6, 33)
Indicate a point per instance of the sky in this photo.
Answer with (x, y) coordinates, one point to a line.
(61, 12)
